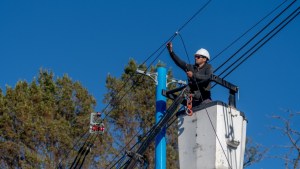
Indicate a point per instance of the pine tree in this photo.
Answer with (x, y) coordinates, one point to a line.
(40, 120)
(132, 110)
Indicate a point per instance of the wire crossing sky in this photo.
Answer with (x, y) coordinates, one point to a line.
(88, 40)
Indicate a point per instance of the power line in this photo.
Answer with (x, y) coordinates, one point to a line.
(161, 49)
(88, 150)
(247, 31)
(182, 27)
(139, 141)
(163, 46)
(277, 16)
(121, 98)
(154, 60)
(194, 79)
(84, 152)
(66, 154)
(163, 121)
(232, 70)
(197, 13)
(79, 153)
(291, 18)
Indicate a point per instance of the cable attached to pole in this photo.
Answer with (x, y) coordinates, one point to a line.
(198, 11)
(209, 117)
(161, 49)
(79, 153)
(60, 163)
(142, 138)
(88, 150)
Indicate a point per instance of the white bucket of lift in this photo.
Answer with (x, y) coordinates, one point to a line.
(214, 137)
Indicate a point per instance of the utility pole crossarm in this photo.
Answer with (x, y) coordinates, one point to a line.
(233, 89)
(224, 83)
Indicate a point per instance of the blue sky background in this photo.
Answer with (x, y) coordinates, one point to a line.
(89, 39)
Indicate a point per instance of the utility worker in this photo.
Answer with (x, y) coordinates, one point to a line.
(199, 74)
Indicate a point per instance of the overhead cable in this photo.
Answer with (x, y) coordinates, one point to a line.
(292, 16)
(277, 16)
(79, 153)
(87, 151)
(207, 111)
(160, 50)
(139, 141)
(247, 31)
(75, 144)
(191, 18)
(264, 43)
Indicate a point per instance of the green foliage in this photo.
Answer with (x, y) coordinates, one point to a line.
(40, 120)
(132, 112)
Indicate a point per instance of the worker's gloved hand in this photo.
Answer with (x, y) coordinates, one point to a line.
(189, 74)
(170, 46)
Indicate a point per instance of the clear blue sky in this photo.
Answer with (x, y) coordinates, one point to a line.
(89, 39)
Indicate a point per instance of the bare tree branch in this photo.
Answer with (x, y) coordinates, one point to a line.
(292, 156)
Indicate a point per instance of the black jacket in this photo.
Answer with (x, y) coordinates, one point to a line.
(200, 80)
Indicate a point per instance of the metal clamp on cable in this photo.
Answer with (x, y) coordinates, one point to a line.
(142, 159)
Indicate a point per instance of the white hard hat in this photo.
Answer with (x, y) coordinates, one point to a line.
(203, 52)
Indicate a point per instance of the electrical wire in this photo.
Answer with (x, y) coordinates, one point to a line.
(84, 151)
(121, 97)
(210, 118)
(132, 140)
(277, 16)
(291, 18)
(211, 121)
(80, 151)
(197, 13)
(139, 141)
(230, 66)
(172, 119)
(160, 125)
(179, 30)
(88, 150)
(161, 49)
(185, 49)
(163, 46)
(155, 59)
(227, 47)
(256, 45)
(66, 154)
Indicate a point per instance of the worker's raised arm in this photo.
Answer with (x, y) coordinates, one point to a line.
(180, 63)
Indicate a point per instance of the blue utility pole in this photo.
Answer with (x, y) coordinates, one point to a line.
(160, 142)
(160, 79)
